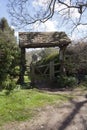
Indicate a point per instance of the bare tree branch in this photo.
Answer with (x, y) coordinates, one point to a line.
(23, 12)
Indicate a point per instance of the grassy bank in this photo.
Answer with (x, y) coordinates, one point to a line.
(21, 104)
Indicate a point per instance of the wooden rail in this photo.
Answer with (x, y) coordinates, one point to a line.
(46, 71)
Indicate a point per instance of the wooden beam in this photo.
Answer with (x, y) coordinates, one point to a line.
(43, 39)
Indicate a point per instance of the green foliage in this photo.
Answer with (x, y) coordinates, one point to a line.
(76, 59)
(65, 82)
(15, 70)
(26, 79)
(9, 52)
(4, 25)
(9, 84)
(83, 83)
(5, 58)
(49, 58)
(85, 78)
(47, 51)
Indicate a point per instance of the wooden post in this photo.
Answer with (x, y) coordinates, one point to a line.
(62, 58)
(32, 71)
(22, 66)
(51, 70)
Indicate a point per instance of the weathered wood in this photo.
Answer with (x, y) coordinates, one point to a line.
(43, 39)
(62, 59)
(38, 69)
(41, 66)
(56, 72)
(46, 70)
(32, 70)
(51, 70)
(48, 67)
(22, 66)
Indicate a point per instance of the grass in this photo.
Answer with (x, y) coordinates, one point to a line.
(20, 105)
(26, 79)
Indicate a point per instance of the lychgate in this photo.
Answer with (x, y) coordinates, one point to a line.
(39, 40)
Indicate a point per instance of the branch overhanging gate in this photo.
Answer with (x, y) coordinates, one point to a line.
(39, 40)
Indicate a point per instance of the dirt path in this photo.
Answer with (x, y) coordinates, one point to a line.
(68, 116)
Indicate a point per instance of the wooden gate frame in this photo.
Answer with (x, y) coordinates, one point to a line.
(48, 73)
(39, 40)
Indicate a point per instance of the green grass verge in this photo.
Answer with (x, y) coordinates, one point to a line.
(20, 105)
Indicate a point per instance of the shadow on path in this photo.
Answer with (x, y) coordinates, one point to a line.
(71, 116)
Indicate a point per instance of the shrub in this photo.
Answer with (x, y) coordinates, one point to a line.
(9, 84)
(85, 78)
(9, 53)
(15, 71)
(64, 81)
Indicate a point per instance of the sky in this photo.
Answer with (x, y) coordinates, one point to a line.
(3, 9)
(50, 25)
(4, 13)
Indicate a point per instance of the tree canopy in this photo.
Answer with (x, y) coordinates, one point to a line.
(26, 12)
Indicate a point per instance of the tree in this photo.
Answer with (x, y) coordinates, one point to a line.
(76, 63)
(3, 24)
(26, 12)
(8, 50)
